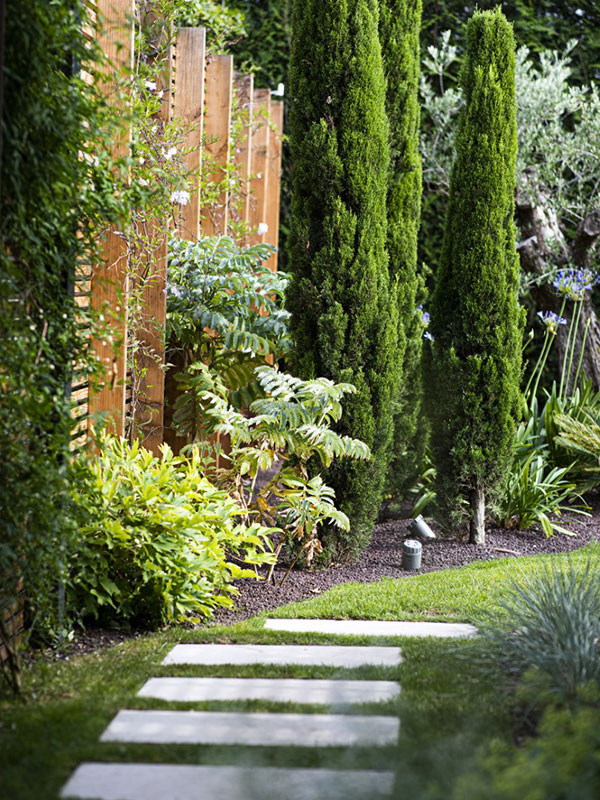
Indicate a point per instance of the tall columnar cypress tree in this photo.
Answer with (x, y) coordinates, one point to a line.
(344, 315)
(399, 29)
(475, 318)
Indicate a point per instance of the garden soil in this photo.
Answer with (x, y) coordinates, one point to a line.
(382, 559)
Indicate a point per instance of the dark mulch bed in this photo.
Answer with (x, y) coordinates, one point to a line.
(382, 559)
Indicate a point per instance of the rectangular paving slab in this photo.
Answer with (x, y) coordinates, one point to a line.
(183, 782)
(287, 690)
(372, 627)
(239, 728)
(314, 655)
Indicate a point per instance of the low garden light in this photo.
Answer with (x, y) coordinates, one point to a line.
(411, 554)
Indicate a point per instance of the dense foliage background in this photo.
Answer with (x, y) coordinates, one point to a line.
(48, 217)
(344, 320)
(475, 370)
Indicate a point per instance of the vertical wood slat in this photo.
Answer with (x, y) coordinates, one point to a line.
(274, 181)
(151, 392)
(260, 163)
(188, 106)
(109, 276)
(242, 150)
(217, 136)
(188, 110)
(13, 618)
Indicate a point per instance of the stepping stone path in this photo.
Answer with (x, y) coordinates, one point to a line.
(224, 727)
(282, 654)
(182, 782)
(366, 627)
(280, 690)
(135, 781)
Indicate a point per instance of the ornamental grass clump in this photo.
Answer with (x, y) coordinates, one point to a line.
(475, 366)
(549, 630)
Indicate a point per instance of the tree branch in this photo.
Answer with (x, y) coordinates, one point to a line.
(587, 232)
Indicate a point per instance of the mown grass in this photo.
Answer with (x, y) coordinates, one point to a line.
(463, 594)
(446, 709)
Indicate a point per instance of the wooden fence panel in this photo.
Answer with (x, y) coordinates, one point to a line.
(188, 109)
(217, 135)
(260, 164)
(151, 391)
(13, 623)
(109, 276)
(242, 149)
(188, 106)
(201, 98)
(274, 180)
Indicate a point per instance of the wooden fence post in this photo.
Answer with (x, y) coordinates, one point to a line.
(217, 134)
(274, 182)
(260, 164)
(109, 276)
(188, 106)
(242, 148)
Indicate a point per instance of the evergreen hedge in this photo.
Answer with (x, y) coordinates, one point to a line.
(344, 315)
(476, 323)
(399, 29)
(54, 198)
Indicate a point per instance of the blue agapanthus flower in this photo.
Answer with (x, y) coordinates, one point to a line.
(425, 316)
(574, 283)
(551, 320)
(425, 319)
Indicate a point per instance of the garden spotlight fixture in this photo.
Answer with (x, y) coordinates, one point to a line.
(418, 527)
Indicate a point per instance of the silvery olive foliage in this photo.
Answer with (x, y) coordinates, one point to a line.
(558, 129)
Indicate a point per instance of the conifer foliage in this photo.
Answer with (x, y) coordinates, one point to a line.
(344, 316)
(399, 29)
(475, 318)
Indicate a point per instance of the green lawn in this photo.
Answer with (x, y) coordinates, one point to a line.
(461, 594)
(445, 711)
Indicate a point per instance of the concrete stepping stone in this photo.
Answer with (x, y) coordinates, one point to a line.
(287, 690)
(239, 728)
(364, 627)
(288, 654)
(183, 782)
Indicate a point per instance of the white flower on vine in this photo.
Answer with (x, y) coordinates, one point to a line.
(181, 197)
(168, 154)
(262, 228)
(151, 85)
(143, 182)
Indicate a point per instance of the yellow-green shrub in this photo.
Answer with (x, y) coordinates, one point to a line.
(156, 538)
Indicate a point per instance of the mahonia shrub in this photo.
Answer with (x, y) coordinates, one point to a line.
(265, 466)
(225, 309)
(156, 538)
